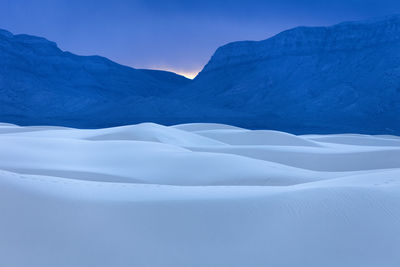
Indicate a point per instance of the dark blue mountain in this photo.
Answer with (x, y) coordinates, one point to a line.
(343, 78)
(40, 84)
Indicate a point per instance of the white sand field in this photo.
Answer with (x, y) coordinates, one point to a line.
(197, 195)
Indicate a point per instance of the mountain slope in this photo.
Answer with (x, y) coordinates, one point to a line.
(344, 78)
(40, 84)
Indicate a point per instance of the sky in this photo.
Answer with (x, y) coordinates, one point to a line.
(175, 35)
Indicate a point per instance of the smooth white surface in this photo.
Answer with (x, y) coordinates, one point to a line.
(197, 195)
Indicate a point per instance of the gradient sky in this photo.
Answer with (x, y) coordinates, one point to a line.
(174, 35)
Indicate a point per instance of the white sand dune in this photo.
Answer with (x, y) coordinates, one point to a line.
(331, 159)
(260, 137)
(197, 195)
(142, 132)
(193, 127)
(362, 140)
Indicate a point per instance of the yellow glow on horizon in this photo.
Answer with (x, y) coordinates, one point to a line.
(188, 74)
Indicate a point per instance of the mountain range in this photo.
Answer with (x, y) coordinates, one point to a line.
(337, 79)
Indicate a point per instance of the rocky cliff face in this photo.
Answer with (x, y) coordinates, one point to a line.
(347, 36)
(344, 78)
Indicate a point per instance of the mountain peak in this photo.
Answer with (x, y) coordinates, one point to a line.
(35, 40)
(5, 33)
(341, 78)
(375, 20)
(309, 40)
(27, 42)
